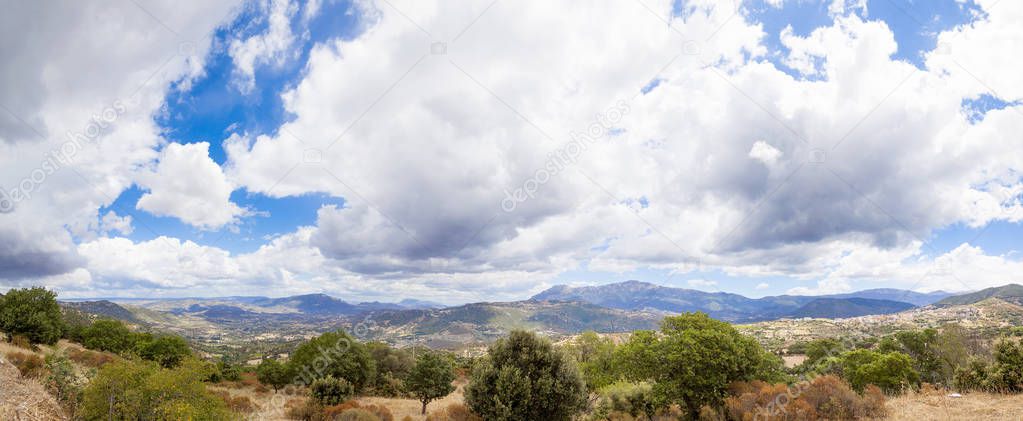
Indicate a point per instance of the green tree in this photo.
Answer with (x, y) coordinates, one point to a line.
(892, 372)
(392, 367)
(431, 378)
(336, 354)
(1007, 370)
(523, 377)
(595, 356)
(694, 360)
(109, 335)
(273, 373)
(819, 349)
(32, 312)
(331, 391)
(142, 390)
(167, 350)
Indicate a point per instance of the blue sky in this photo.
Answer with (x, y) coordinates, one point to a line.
(707, 165)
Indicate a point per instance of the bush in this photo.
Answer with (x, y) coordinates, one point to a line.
(240, 404)
(1007, 372)
(109, 335)
(144, 390)
(307, 410)
(331, 391)
(168, 351)
(335, 354)
(92, 359)
(524, 377)
(33, 313)
(973, 376)
(634, 399)
(29, 365)
(357, 414)
(21, 341)
(892, 372)
(226, 372)
(823, 398)
(63, 383)
(453, 412)
(431, 378)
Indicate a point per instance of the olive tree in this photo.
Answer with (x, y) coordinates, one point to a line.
(523, 377)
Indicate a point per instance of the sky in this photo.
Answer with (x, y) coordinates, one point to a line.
(488, 150)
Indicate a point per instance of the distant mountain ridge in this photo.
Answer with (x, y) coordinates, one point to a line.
(1012, 293)
(837, 308)
(636, 295)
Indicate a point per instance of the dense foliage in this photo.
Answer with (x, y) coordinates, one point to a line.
(694, 359)
(330, 390)
(335, 354)
(33, 313)
(144, 390)
(523, 377)
(166, 350)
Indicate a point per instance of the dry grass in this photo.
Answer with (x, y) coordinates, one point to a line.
(401, 408)
(24, 399)
(936, 405)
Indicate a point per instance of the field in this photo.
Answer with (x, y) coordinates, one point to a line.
(937, 405)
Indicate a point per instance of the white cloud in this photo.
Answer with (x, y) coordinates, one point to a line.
(764, 152)
(93, 71)
(188, 185)
(734, 160)
(111, 222)
(763, 285)
(272, 47)
(702, 283)
(425, 171)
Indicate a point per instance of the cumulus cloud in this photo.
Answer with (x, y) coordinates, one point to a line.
(81, 82)
(868, 152)
(271, 47)
(832, 162)
(188, 185)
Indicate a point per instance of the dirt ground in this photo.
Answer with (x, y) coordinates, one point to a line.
(24, 399)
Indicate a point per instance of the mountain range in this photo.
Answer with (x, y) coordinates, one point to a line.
(636, 295)
(231, 323)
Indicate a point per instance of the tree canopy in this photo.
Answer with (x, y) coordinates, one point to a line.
(33, 313)
(431, 378)
(523, 377)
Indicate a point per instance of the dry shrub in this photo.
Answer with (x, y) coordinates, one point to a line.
(407, 418)
(21, 341)
(453, 412)
(379, 411)
(29, 365)
(357, 414)
(303, 409)
(824, 398)
(261, 388)
(90, 358)
(708, 413)
(241, 404)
